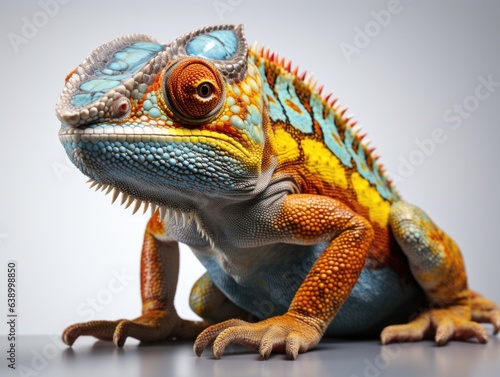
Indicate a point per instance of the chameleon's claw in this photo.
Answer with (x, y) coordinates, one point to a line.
(283, 334)
(272, 339)
(153, 326)
(485, 311)
(209, 334)
(293, 345)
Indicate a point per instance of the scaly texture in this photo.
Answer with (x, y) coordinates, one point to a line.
(275, 190)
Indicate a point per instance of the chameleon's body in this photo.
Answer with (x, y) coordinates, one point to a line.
(274, 191)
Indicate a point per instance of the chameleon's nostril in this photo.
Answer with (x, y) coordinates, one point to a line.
(120, 107)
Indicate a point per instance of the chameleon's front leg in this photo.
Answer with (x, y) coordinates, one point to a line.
(306, 219)
(159, 319)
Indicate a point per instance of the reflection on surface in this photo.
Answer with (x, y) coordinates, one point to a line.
(353, 358)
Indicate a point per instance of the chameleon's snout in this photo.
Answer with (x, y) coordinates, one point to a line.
(119, 108)
(71, 118)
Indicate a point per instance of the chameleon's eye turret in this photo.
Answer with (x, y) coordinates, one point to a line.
(194, 90)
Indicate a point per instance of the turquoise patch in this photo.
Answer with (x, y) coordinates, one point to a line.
(237, 122)
(99, 85)
(381, 184)
(82, 99)
(154, 113)
(330, 132)
(300, 119)
(359, 158)
(370, 173)
(251, 125)
(219, 45)
(255, 115)
(275, 110)
(124, 64)
(147, 105)
(363, 166)
(117, 65)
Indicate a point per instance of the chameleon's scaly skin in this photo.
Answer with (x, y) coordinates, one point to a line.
(273, 188)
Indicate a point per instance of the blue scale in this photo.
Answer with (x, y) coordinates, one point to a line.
(125, 62)
(218, 45)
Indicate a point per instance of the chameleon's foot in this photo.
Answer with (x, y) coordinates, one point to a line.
(441, 324)
(485, 311)
(288, 333)
(153, 326)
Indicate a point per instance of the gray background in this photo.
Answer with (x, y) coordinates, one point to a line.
(69, 242)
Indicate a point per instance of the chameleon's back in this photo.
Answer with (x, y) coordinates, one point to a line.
(321, 149)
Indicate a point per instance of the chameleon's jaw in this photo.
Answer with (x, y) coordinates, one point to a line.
(166, 166)
(146, 134)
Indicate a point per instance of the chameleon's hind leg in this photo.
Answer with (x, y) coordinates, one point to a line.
(437, 265)
(211, 304)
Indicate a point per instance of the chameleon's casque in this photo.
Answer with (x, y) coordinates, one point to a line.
(271, 185)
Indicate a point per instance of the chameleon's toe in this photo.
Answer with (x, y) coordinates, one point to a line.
(485, 311)
(410, 332)
(147, 328)
(284, 334)
(100, 329)
(153, 326)
(441, 324)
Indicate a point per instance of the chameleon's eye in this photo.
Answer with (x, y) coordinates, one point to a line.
(194, 90)
(204, 90)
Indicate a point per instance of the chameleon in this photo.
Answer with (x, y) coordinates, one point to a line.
(274, 189)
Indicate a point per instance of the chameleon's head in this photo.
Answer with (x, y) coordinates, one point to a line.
(167, 122)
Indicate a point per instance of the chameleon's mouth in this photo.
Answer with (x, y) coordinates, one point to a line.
(117, 133)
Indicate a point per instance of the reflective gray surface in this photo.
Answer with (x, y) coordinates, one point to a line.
(47, 356)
